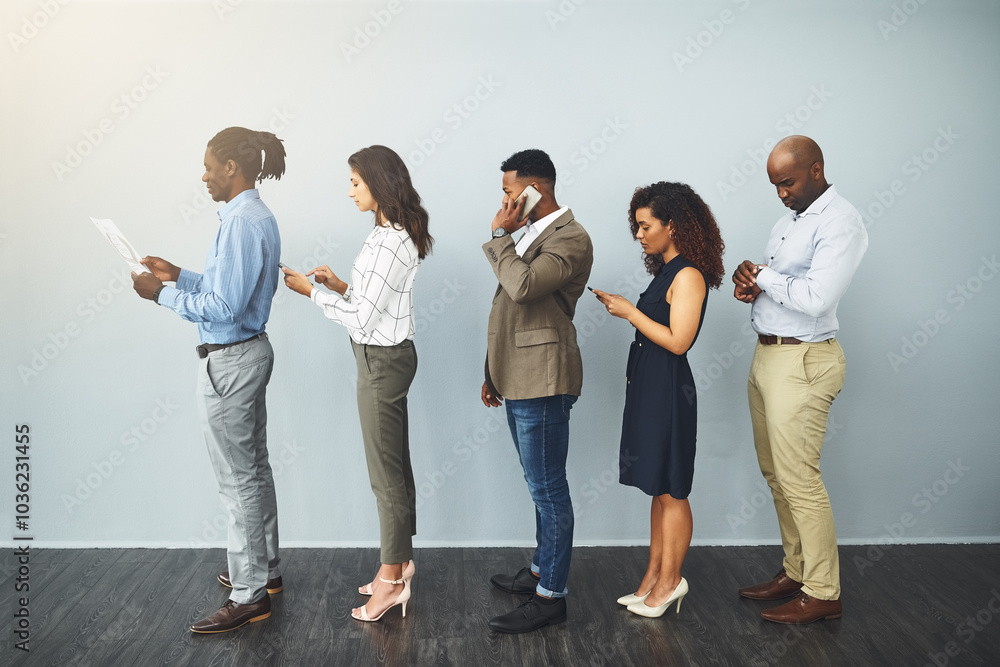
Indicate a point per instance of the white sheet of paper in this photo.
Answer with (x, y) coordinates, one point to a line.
(115, 237)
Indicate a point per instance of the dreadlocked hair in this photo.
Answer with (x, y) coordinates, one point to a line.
(259, 155)
(696, 234)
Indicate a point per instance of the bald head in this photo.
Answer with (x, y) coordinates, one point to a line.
(795, 167)
(803, 150)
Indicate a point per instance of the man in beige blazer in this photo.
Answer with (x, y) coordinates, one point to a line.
(533, 361)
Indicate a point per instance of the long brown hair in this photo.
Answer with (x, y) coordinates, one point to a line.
(696, 233)
(387, 178)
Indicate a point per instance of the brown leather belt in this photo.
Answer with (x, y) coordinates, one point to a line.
(205, 348)
(777, 340)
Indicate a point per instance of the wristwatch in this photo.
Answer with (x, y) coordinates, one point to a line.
(500, 232)
(156, 294)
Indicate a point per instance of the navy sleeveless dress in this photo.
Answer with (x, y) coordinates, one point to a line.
(661, 416)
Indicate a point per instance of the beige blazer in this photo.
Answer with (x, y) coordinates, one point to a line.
(532, 349)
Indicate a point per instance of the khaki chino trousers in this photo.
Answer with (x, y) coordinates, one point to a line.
(791, 389)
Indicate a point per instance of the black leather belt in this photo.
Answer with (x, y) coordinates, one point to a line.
(207, 348)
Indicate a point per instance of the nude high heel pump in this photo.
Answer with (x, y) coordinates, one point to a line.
(655, 612)
(408, 572)
(361, 613)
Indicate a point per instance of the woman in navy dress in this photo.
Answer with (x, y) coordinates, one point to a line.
(683, 251)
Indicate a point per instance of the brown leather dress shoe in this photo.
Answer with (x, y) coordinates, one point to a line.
(233, 615)
(803, 609)
(273, 585)
(779, 587)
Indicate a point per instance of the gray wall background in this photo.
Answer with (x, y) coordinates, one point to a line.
(107, 110)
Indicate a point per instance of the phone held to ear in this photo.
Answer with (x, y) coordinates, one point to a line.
(531, 198)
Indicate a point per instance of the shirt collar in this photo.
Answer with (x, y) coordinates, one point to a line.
(539, 226)
(819, 205)
(237, 201)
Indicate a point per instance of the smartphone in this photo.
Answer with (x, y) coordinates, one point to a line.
(531, 199)
(590, 288)
(281, 266)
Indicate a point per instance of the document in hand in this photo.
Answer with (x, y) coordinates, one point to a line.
(114, 236)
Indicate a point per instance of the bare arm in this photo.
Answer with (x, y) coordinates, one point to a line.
(686, 295)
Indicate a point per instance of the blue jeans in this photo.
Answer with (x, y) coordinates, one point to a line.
(540, 428)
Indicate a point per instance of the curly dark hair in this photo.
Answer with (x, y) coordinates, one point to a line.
(696, 233)
(531, 163)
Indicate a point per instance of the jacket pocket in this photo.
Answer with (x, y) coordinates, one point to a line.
(536, 337)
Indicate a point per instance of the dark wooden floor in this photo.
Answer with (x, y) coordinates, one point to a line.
(903, 605)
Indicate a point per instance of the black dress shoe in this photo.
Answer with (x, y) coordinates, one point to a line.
(522, 582)
(273, 585)
(531, 615)
(233, 615)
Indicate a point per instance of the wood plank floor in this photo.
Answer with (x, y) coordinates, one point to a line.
(903, 605)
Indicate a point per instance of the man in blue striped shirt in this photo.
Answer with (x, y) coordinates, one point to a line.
(231, 302)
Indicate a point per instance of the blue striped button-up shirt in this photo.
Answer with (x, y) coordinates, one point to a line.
(231, 300)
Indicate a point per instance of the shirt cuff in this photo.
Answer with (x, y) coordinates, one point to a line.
(766, 278)
(321, 298)
(167, 296)
(187, 279)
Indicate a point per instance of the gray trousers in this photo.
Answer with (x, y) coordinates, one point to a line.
(231, 387)
(384, 377)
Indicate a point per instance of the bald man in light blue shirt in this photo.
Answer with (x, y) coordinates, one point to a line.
(798, 369)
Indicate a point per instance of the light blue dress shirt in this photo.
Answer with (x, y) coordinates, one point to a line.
(811, 258)
(231, 300)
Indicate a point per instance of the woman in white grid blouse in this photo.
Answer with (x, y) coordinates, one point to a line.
(377, 309)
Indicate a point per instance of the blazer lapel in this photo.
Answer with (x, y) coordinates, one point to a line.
(532, 250)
